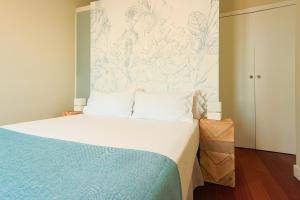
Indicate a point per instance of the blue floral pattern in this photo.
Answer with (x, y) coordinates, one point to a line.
(153, 51)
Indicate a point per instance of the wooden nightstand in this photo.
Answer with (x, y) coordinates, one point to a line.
(217, 151)
(68, 113)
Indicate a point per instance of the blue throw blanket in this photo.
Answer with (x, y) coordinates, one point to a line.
(36, 168)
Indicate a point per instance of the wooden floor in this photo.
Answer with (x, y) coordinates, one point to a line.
(260, 175)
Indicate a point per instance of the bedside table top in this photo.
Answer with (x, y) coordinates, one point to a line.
(226, 120)
(68, 113)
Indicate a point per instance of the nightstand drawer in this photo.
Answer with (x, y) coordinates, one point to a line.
(217, 146)
(222, 130)
(218, 168)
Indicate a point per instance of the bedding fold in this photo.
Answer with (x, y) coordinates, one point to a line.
(33, 167)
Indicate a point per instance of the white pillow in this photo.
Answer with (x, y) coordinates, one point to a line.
(163, 106)
(110, 104)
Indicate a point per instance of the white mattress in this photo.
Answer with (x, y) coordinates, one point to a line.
(177, 140)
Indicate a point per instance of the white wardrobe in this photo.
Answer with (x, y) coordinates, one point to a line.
(257, 77)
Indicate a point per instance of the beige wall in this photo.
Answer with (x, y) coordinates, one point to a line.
(37, 59)
(84, 2)
(80, 3)
(231, 5)
(298, 84)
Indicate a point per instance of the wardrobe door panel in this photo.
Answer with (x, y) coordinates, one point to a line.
(275, 79)
(236, 69)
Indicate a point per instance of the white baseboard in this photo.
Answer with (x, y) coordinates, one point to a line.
(297, 172)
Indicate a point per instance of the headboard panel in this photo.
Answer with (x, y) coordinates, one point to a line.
(156, 45)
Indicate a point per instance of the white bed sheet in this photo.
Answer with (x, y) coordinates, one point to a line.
(178, 141)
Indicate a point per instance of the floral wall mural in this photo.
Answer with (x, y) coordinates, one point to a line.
(156, 45)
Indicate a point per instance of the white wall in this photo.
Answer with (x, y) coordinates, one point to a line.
(37, 59)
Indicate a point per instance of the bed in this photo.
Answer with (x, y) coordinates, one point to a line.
(92, 157)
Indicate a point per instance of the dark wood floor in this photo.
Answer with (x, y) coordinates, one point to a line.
(260, 175)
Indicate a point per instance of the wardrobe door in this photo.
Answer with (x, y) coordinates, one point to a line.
(275, 79)
(237, 76)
